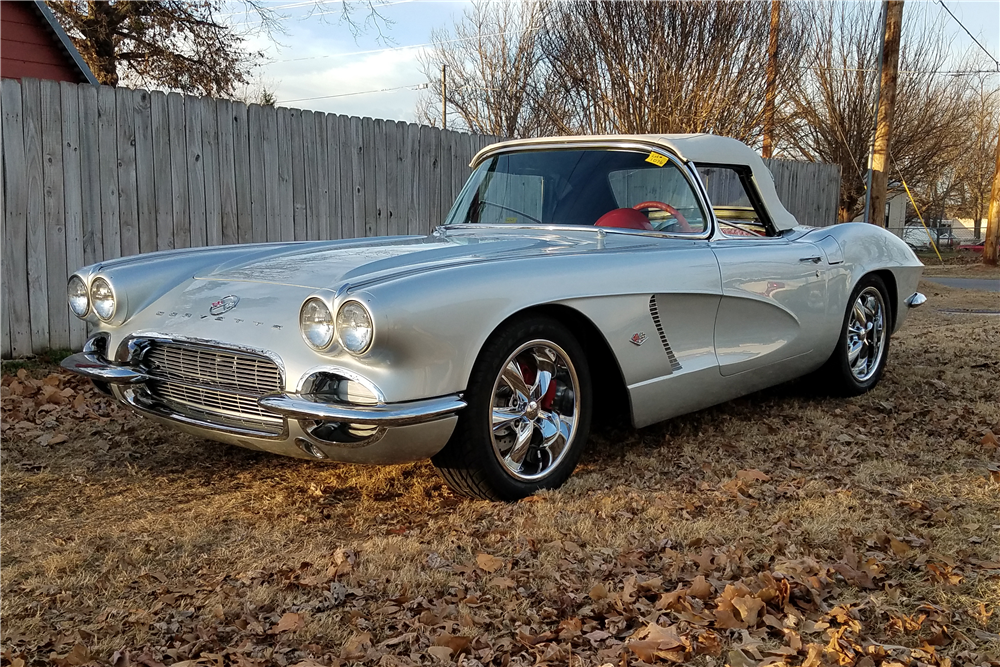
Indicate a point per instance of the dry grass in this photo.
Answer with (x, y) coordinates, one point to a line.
(881, 512)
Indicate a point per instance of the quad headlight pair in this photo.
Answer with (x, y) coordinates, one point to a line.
(353, 326)
(100, 297)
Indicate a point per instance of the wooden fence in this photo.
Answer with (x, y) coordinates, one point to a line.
(92, 173)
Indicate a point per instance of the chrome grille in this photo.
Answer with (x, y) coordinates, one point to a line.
(215, 368)
(654, 312)
(218, 387)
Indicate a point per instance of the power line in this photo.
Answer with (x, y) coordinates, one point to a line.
(970, 34)
(954, 72)
(414, 86)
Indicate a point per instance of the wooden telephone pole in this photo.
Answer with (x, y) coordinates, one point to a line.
(993, 219)
(772, 80)
(886, 108)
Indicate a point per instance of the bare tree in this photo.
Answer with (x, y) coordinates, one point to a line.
(495, 71)
(833, 103)
(693, 66)
(976, 165)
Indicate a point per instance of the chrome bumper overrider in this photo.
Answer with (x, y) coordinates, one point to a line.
(306, 406)
(91, 366)
(915, 300)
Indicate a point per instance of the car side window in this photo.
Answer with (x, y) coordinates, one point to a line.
(663, 193)
(734, 201)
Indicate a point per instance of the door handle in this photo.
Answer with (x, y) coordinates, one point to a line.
(815, 260)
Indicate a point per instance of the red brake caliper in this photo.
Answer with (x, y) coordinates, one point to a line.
(529, 379)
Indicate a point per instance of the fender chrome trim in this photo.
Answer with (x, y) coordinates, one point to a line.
(312, 406)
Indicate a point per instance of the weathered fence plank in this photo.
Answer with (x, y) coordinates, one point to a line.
(163, 204)
(241, 164)
(210, 158)
(368, 175)
(357, 147)
(322, 194)
(107, 133)
(391, 180)
(178, 171)
(15, 246)
(311, 180)
(54, 215)
(90, 172)
(411, 199)
(4, 288)
(73, 202)
(298, 176)
(380, 159)
(38, 300)
(128, 204)
(144, 178)
(269, 143)
(195, 172)
(286, 213)
(333, 175)
(258, 203)
(227, 176)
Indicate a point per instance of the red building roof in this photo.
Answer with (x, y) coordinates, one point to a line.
(33, 44)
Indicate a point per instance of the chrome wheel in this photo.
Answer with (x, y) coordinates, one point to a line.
(535, 405)
(866, 334)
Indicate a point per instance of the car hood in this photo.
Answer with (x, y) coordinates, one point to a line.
(326, 265)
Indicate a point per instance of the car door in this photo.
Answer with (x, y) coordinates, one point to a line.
(774, 305)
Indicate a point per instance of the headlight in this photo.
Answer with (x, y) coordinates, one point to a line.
(316, 323)
(354, 326)
(79, 299)
(103, 299)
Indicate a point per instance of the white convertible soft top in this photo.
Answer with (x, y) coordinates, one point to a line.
(697, 148)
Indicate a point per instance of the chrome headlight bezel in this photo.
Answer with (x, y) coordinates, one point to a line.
(346, 322)
(317, 306)
(102, 284)
(81, 284)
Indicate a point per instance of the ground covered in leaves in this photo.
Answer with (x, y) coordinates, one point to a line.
(785, 528)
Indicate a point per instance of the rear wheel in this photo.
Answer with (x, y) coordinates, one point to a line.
(859, 359)
(528, 414)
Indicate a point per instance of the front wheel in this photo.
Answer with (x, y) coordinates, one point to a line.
(528, 414)
(859, 359)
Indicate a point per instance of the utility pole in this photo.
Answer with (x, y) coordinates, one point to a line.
(444, 97)
(993, 219)
(886, 108)
(772, 80)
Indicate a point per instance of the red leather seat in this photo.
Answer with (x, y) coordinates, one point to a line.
(624, 218)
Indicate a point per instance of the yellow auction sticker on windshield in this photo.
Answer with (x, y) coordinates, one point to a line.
(657, 159)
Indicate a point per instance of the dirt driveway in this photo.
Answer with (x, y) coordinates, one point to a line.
(785, 528)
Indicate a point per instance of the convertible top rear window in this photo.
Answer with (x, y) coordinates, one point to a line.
(609, 188)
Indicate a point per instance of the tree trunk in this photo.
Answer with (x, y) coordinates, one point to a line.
(990, 250)
(100, 27)
(886, 107)
(772, 80)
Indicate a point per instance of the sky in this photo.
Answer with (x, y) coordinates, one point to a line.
(318, 57)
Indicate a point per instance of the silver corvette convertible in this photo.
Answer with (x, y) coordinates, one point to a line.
(573, 276)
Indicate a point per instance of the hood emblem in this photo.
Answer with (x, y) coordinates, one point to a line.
(224, 305)
(638, 338)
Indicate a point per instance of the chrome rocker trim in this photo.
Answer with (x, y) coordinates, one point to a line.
(311, 406)
(93, 367)
(916, 300)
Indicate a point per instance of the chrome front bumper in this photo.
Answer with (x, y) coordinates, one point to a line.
(294, 405)
(392, 432)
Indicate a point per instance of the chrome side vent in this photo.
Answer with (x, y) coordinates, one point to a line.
(654, 312)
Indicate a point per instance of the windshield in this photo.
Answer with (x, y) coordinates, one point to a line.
(608, 188)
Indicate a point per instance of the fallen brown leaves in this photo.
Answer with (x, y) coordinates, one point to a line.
(774, 530)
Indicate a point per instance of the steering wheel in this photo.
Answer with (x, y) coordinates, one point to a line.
(666, 208)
